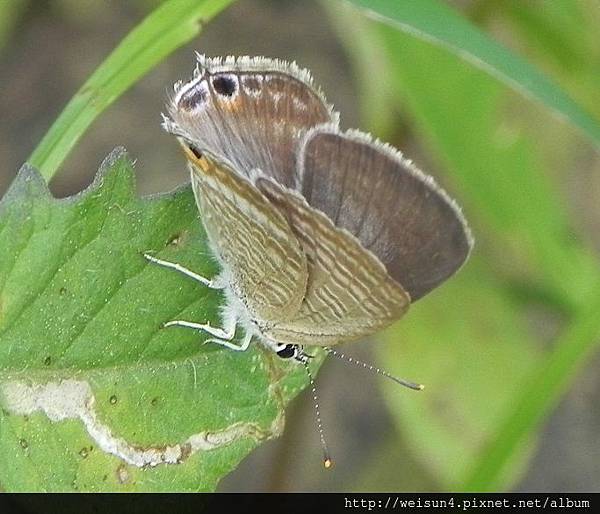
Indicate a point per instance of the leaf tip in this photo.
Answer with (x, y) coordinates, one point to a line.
(28, 180)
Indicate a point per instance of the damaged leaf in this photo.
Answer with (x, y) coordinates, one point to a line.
(95, 395)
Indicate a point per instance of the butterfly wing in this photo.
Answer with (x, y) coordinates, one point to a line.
(254, 243)
(252, 112)
(326, 236)
(349, 293)
(377, 234)
(393, 209)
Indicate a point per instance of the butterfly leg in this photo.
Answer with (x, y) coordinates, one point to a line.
(232, 346)
(222, 334)
(213, 284)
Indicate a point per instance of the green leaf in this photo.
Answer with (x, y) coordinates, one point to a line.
(95, 395)
(436, 23)
(172, 24)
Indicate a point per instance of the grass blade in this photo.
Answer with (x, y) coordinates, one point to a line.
(168, 27)
(437, 23)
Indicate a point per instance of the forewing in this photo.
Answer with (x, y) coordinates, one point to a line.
(394, 210)
(349, 293)
(254, 243)
(252, 112)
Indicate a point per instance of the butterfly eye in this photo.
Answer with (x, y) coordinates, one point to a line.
(287, 352)
(225, 86)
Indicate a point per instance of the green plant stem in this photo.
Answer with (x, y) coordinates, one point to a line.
(172, 24)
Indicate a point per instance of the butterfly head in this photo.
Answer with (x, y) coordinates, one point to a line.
(293, 351)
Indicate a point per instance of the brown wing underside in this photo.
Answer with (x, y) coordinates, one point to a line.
(349, 293)
(393, 209)
(266, 266)
(251, 113)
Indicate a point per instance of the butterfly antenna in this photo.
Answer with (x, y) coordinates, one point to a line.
(401, 381)
(327, 461)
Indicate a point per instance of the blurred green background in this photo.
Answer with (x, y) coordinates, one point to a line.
(507, 347)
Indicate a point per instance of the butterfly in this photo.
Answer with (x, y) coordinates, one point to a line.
(323, 235)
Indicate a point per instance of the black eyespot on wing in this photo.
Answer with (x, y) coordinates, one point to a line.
(225, 86)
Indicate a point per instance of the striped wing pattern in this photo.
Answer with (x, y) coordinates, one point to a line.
(253, 241)
(349, 292)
